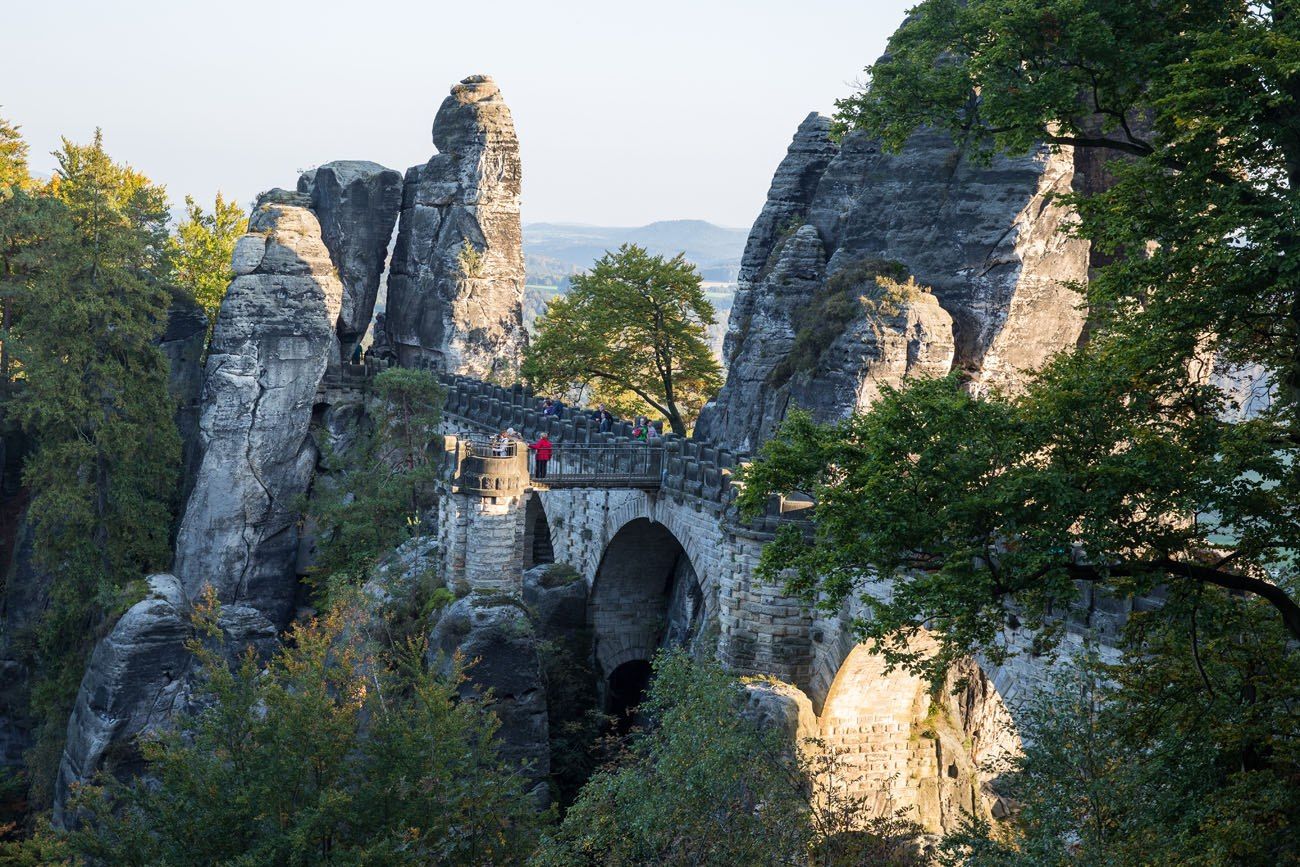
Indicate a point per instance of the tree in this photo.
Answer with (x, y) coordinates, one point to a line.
(13, 157)
(369, 501)
(703, 784)
(103, 473)
(1140, 763)
(635, 324)
(334, 752)
(1124, 448)
(201, 248)
(28, 218)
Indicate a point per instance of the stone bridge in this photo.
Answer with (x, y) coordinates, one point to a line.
(670, 563)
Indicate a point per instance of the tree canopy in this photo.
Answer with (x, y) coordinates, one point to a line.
(1130, 464)
(368, 498)
(634, 329)
(200, 250)
(336, 751)
(704, 784)
(86, 301)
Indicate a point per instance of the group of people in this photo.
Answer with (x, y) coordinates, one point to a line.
(505, 443)
(642, 430)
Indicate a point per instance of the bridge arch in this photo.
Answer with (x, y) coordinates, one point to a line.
(539, 547)
(899, 743)
(646, 594)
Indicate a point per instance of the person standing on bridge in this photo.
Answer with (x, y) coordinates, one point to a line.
(604, 419)
(543, 449)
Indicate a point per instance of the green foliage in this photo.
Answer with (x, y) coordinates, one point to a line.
(201, 248)
(1185, 755)
(574, 723)
(372, 500)
(470, 259)
(29, 220)
(1123, 464)
(335, 753)
(704, 785)
(89, 302)
(846, 296)
(635, 330)
(13, 157)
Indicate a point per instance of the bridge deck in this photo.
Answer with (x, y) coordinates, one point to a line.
(627, 464)
(594, 480)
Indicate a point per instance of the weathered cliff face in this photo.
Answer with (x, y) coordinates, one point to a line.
(793, 187)
(498, 633)
(455, 291)
(269, 350)
(273, 338)
(357, 203)
(984, 238)
(183, 343)
(138, 678)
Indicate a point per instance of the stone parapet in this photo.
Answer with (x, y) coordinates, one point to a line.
(694, 472)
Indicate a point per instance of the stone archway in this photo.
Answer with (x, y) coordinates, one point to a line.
(645, 596)
(538, 545)
(898, 743)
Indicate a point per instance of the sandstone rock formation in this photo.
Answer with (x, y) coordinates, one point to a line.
(138, 678)
(556, 596)
(269, 351)
(357, 203)
(270, 346)
(135, 677)
(455, 291)
(983, 237)
(183, 343)
(496, 635)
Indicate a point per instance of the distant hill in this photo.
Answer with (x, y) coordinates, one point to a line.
(553, 251)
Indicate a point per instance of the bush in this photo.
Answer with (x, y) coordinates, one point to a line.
(333, 753)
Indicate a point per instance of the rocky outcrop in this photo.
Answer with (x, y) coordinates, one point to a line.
(780, 707)
(182, 344)
(239, 534)
(138, 678)
(982, 237)
(269, 350)
(793, 187)
(455, 291)
(556, 597)
(357, 203)
(497, 637)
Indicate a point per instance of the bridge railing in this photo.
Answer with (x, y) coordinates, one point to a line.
(686, 469)
(612, 464)
(626, 464)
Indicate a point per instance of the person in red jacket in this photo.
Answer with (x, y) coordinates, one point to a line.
(543, 449)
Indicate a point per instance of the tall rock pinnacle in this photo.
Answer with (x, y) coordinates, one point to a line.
(455, 291)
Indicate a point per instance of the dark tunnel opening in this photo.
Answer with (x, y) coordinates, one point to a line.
(628, 685)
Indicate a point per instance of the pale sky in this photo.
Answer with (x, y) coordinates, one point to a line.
(626, 112)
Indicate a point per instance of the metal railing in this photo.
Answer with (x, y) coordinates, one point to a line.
(627, 464)
(633, 465)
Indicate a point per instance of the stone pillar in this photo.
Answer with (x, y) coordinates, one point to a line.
(484, 549)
